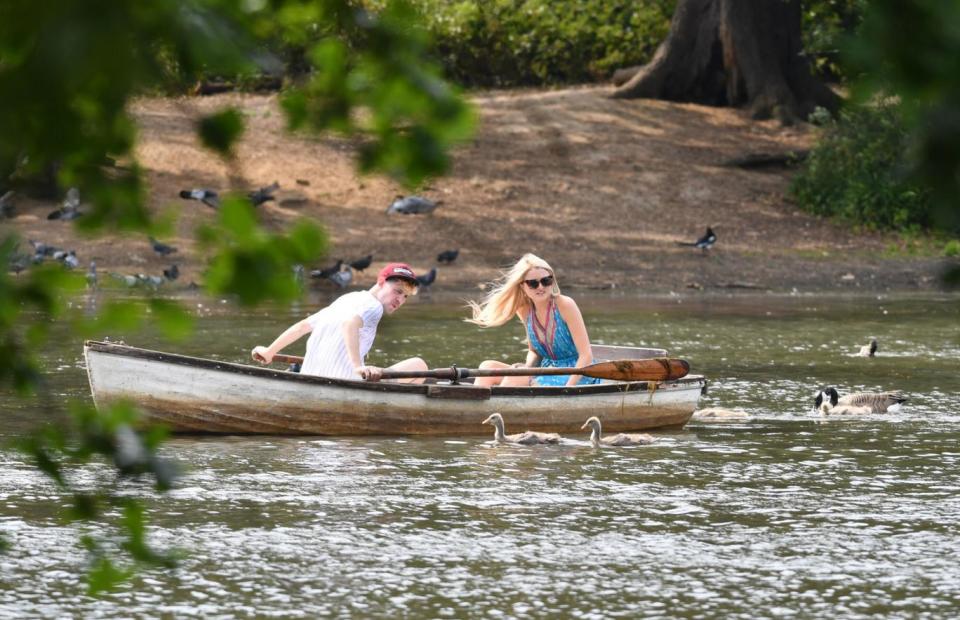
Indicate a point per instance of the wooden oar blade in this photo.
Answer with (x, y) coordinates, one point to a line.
(654, 369)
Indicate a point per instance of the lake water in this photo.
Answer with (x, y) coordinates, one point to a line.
(786, 515)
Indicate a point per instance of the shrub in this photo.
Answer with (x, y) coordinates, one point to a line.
(857, 172)
(952, 248)
(500, 43)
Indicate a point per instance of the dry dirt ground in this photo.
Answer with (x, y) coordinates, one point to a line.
(603, 189)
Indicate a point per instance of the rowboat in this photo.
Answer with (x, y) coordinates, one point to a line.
(196, 395)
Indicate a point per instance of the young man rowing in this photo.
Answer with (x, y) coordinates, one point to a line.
(342, 334)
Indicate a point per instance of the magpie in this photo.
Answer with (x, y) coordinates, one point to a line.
(412, 205)
(161, 248)
(448, 256)
(704, 243)
(206, 196)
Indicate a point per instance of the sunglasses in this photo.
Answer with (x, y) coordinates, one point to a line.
(534, 284)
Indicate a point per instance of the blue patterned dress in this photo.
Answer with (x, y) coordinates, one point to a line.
(554, 344)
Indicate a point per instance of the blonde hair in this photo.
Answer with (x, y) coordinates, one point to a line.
(505, 300)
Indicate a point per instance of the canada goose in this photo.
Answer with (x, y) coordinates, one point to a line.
(618, 440)
(829, 402)
(869, 350)
(716, 414)
(527, 438)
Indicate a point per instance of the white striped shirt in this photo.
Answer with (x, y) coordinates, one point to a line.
(326, 349)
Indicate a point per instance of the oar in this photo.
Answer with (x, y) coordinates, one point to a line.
(654, 369)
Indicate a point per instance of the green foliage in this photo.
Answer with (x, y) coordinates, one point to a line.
(69, 70)
(856, 172)
(952, 248)
(497, 43)
(826, 23)
(105, 434)
(912, 50)
(251, 263)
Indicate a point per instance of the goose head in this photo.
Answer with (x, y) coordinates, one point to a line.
(496, 420)
(594, 423)
(826, 399)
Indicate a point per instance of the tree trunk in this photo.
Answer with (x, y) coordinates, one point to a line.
(732, 53)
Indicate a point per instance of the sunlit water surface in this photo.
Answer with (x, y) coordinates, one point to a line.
(783, 516)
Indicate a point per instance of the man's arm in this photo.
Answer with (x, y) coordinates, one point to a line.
(291, 335)
(351, 338)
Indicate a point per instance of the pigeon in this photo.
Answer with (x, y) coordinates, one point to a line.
(18, 262)
(326, 272)
(6, 205)
(412, 205)
(172, 272)
(92, 275)
(41, 249)
(151, 281)
(428, 279)
(869, 350)
(448, 256)
(362, 263)
(263, 194)
(704, 243)
(70, 209)
(342, 278)
(206, 196)
(161, 248)
(69, 259)
(130, 281)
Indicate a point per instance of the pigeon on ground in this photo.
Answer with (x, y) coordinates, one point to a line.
(6, 205)
(342, 278)
(412, 205)
(92, 275)
(869, 350)
(69, 259)
(172, 272)
(151, 281)
(129, 280)
(362, 263)
(327, 271)
(70, 209)
(448, 256)
(263, 194)
(704, 243)
(206, 196)
(428, 279)
(41, 249)
(161, 248)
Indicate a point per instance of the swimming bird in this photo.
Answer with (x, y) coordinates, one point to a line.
(716, 414)
(447, 256)
(362, 263)
(828, 402)
(206, 196)
(869, 350)
(161, 248)
(704, 243)
(412, 205)
(70, 209)
(526, 438)
(172, 272)
(638, 439)
(428, 279)
(342, 278)
(326, 272)
(264, 194)
(6, 205)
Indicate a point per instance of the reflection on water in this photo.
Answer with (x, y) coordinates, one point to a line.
(786, 515)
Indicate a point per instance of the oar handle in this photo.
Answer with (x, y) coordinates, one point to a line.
(655, 369)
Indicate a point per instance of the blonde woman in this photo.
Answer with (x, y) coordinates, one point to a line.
(556, 335)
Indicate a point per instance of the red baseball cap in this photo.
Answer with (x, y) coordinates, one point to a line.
(397, 270)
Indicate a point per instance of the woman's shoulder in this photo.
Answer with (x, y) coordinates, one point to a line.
(565, 303)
